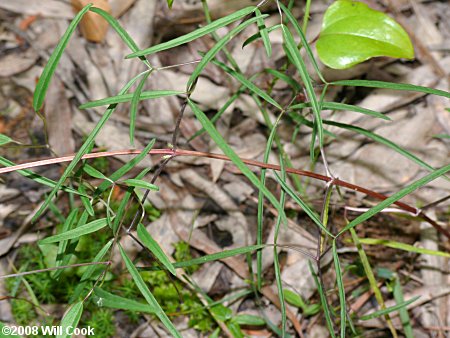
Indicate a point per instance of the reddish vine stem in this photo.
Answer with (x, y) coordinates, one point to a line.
(180, 152)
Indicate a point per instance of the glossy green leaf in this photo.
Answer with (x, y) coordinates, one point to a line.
(4, 139)
(142, 286)
(352, 32)
(390, 309)
(391, 85)
(209, 56)
(403, 246)
(213, 26)
(343, 106)
(395, 197)
(154, 247)
(222, 144)
(70, 320)
(106, 299)
(249, 320)
(123, 34)
(154, 94)
(77, 232)
(132, 182)
(50, 67)
(36, 177)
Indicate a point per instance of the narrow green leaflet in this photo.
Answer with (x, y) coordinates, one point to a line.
(390, 309)
(120, 31)
(213, 26)
(343, 106)
(36, 177)
(222, 144)
(119, 173)
(147, 95)
(134, 106)
(70, 320)
(323, 301)
(62, 257)
(106, 299)
(311, 213)
(247, 83)
(303, 39)
(124, 202)
(264, 34)
(403, 246)
(170, 3)
(341, 289)
(77, 232)
(50, 67)
(90, 170)
(251, 320)
(142, 286)
(215, 257)
(294, 54)
(403, 312)
(352, 32)
(382, 140)
(257, 36)
(390, 85)
(286, 78)
(87, 145)
(154, 247)
(98, 258)
(132, 182)
(394, 198)
(4, 139)
(209, 56)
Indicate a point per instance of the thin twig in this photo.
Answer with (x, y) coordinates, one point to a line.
(181, 152)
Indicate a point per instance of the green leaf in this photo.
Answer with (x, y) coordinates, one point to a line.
(403, 246)
(131, 182)
(264, 33)
(134, 106)
(247, 83)
(222, 144)
(154, 247)
(216, 256)
(390, 309)
(341, 289)
(142, 286)
(86, 147)
(251, 320)
(257, 36)
(394, 198)
(294, 299)
(343, 106)
(213, 26)
(170, 3)
(71, 319)
(91, 171)
(98, 258)
(106, 299)
(311, 213)
(77, 232)
(294, 55)
(209, 56)
(390, 85)
(352, 33)
(120, 31)
(4, 139)
(154, 94)
(50, 67)
(119, 173)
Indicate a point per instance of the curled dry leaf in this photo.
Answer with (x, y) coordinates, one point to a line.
(93, 26)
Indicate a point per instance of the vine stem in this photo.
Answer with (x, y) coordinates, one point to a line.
(181, 152)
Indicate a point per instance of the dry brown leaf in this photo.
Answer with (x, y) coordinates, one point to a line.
(93, 26)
